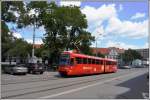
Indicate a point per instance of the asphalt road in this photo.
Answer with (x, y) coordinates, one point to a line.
(125, 83)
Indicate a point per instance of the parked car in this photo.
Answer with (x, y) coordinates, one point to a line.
(16, 69)
(34, 68)
(125, 67)
(137, 66)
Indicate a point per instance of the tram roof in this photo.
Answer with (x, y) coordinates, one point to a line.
(87, 56)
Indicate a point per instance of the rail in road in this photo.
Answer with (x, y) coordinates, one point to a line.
(51, 84)
(32, 79)
(29, 80)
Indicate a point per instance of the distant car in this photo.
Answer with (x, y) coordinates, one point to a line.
(125, 67)
(34, 68)
(138, 66)
(16, 69)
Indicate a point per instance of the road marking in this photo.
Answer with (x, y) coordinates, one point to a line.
(84, 87)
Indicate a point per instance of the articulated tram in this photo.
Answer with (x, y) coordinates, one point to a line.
(79, 64)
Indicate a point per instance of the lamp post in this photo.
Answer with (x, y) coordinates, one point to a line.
(100, 34)
(33, 39)
(96, 44)
(34, 26)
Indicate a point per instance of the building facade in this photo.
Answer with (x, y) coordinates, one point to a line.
(111, 52)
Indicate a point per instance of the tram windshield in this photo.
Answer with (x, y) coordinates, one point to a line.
(64, 59)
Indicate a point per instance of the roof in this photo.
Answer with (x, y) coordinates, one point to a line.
(106, 51)
(87, 56)
(81, 55)
(38, 45)
(101, 50)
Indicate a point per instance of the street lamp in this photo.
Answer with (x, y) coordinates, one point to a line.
(33, 39)
(100, 34)
(34, 26)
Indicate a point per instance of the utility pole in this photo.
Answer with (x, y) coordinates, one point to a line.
(96, 44)
(33, 38)
(33, 41)
(96, 48)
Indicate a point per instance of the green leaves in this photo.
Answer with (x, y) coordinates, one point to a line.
(64, 26)
(130, 55)
(9, 8)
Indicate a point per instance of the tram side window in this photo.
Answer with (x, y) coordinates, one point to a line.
(101, 62)
(84, 60)
(79, 60)
(89, 61)
(114, 63)
(93, 61)
(97, 62)
(108, 63)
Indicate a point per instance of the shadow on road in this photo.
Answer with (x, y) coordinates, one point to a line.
(138, 86)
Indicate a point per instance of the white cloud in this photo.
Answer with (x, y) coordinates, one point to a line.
(37, 41)
(121, 45)
(17, 35)
(68, 3)
(124, 45)
(138, 15)
(96, 17)
(126, 28)
(109, 14)
(99, 14)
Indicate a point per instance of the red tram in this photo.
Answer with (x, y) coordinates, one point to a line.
(80, 64)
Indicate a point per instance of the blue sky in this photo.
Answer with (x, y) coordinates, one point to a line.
(121, 24)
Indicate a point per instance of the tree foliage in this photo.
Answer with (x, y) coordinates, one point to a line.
(65, 26)
(101, 55)
(129, 55)
(12, 46)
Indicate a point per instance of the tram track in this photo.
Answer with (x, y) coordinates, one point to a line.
(43, 85)
(31, 80)
(57, 87)
(49, 87)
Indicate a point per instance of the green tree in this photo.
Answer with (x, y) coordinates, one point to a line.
(65, 30)
(32, 19)
(101, 55)
(8, 15)
(65, 26)
(129, 55)
(21, 48)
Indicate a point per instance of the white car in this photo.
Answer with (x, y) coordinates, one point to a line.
(16, 69)
(125, 67)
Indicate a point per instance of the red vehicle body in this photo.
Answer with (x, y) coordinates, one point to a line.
(80, 64)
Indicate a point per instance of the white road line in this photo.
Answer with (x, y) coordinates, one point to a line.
(84, 87)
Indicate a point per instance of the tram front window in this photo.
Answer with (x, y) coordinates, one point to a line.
(64, 62)
(64, 59)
